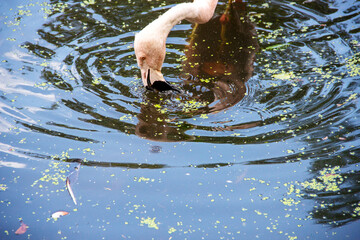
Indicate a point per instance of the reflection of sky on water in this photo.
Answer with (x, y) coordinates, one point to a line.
(244, 155)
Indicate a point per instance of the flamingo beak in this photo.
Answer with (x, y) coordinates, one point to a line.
(158, 85)
(148, 81)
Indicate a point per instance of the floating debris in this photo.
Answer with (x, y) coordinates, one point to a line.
(68, 186)
(58, 214)
(71, 179)
(22, 229)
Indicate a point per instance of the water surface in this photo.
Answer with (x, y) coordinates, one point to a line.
(262, 142)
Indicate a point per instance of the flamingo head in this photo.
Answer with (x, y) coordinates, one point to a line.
(150, 55)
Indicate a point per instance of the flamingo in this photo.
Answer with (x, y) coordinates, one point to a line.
(150, 43)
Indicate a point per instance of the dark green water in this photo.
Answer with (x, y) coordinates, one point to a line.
(262, 142)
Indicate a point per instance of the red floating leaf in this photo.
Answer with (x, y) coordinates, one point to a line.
(22, 229)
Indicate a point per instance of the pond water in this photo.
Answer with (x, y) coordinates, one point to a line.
(262, 142)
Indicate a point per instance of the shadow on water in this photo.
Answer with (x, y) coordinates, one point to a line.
(284, 94)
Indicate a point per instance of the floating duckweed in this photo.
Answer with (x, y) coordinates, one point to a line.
(329, 180)
(3, 187)
(55, 174)
(150, 222)
(89, 150)
(289, 201)
(292, 237)
(44, 64)
(356, 212)
(352, 65)
(204, 116)
(305, 94)
(126, 117)
(87, 2)
(207, 80)
(284, 75)
(143, 179)
(97, 81)
(192, 105)
(24, 12)
(350, 98)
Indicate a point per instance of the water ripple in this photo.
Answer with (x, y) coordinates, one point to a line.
(267, 118)
(291, 81)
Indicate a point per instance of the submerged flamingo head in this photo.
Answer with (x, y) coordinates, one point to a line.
(150, 55)
(150, 43)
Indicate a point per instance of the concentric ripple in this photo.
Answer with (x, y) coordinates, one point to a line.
(276, 84)
(291, 81)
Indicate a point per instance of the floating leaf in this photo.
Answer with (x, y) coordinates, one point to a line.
(68, 186)
(58, 214)
(70, 179)
(22, 229)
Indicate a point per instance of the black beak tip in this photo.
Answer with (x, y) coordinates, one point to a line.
(163, 86)
(160, 86)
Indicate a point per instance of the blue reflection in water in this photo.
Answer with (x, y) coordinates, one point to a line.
(262, 142)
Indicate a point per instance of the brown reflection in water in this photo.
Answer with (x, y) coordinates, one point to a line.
(156, 126)
(223, 50)
(219, 60)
